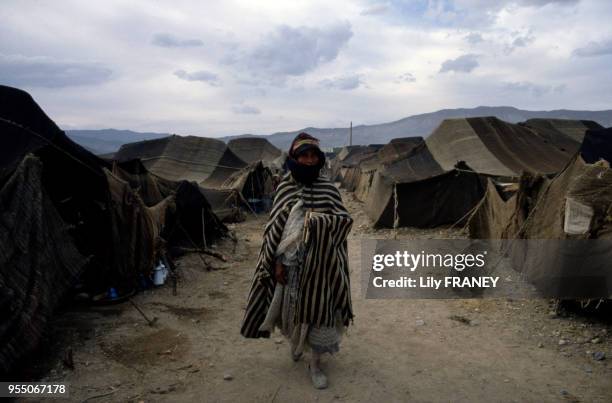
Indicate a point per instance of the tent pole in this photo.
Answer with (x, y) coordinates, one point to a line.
(203, 230)
(395, 213)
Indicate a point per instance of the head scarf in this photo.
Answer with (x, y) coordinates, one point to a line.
(305, 174)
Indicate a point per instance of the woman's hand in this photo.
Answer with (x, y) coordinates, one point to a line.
(279, 273)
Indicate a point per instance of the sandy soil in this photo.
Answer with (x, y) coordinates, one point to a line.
(397, 350)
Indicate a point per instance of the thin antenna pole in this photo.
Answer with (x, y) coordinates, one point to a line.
(351, 134)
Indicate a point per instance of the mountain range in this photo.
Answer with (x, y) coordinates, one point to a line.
(109, 140)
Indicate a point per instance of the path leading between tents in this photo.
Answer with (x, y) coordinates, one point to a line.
(397, 350)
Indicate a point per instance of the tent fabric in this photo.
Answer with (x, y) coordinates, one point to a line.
(574, 130)
(186, 205)
(151, 189)
(597, 145)
(551, 267)
(361, 179)
(416, 191)
(206, 161)
(277, 165)
(193, 223)
(110, 227)
(492, 218)
(397, 148)
(135, 234)
(576, 204)
(38, 257)
(253, 181)
(494, 147)
(351, 156)
(253, 149)
(428, 203)
(209, 163)
(227, 204)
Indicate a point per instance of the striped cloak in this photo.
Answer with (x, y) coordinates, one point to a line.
(325, 283)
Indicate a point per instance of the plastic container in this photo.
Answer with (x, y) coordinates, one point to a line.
(159, 275)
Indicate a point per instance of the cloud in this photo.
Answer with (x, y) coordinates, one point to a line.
(474, 38)
(245, 110)
(166, 40)
(520, 41)
(22, 71)
(289, 51)
(469, 14)
(542, 3)
(536, 90)
(345, 83)
(463, 64)
(595, 49)
(201, 75)
(377, 9)
(405, 78)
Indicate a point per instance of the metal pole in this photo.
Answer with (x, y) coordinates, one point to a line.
(351, 134)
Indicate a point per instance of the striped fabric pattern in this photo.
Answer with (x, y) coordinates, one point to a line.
(321, 197)
(325, 285)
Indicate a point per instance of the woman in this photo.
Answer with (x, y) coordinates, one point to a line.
(301, 282)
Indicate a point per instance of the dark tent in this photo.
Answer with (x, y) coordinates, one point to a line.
(207, 161)
(227, 204)
(574, 205)
(494, 147)
(537, 209)
(39, 262)
(574, 130)
(64, 215)
(76, 182)
(62, 222)
(490, 220)
(415, 191)
(193, 224)
(253, 181)
(349, 157)
(189, 213)
(597, 144)
(253, 149)
(397, 149)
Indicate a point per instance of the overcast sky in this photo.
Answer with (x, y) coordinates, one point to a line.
(230, 67)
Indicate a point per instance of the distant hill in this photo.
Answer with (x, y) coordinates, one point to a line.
(106, 141)
(424, 124)
(109, 140)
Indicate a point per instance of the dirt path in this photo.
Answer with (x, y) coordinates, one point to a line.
(397, 350)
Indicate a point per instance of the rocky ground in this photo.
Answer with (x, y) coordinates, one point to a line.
(397, 350)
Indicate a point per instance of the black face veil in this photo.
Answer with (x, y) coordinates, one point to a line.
(305, 174)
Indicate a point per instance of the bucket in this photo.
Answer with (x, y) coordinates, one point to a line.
(159, 275)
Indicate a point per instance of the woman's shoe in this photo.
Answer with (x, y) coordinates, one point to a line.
(319, 380)
(296, 357)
